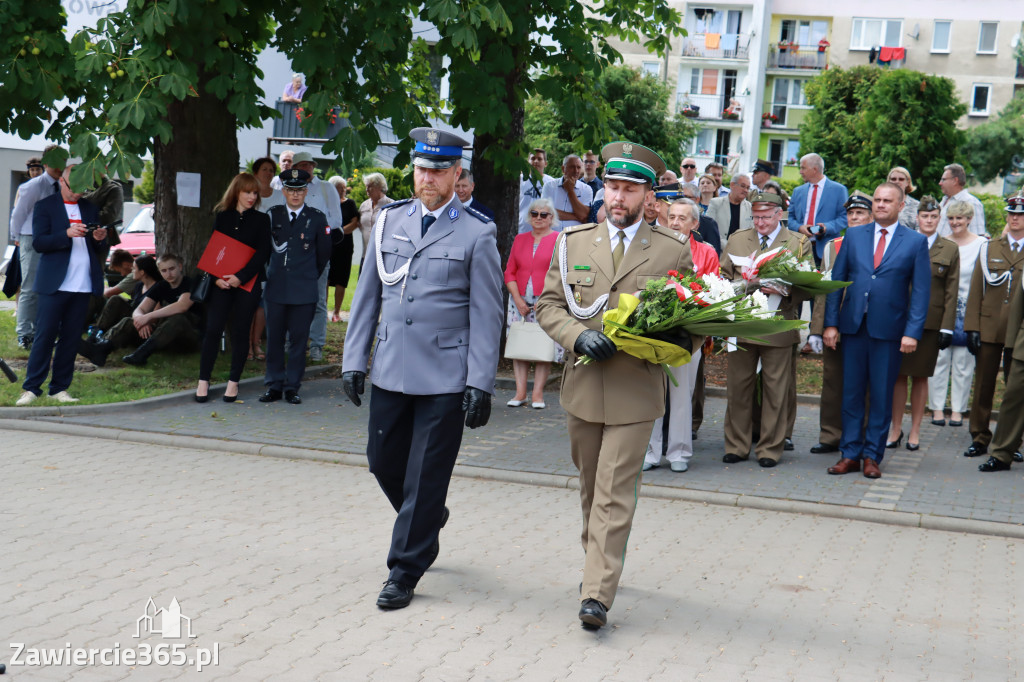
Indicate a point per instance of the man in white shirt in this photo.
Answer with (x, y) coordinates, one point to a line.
(285, 162)
(324, 197)
(37, 188)
(688, 171)
(717, 170)
(571, 196)
(952, 184)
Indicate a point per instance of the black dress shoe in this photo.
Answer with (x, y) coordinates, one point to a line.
(395, 595)
(895, 443)
(767, 463)
(593, 614)
(1017, 457)
(976, 450)
(994, 464)
(913, 446)
(230, 398)
(788, 444)
(731, 458)
(202, 398)
(270, 396)
(292, 397)
(822, 448)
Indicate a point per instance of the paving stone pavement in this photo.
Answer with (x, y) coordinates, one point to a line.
(935, 481)
(277, 562)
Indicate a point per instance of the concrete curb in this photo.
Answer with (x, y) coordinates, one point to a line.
(181, 397)
(892, 518)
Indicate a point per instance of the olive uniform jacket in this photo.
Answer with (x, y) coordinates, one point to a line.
(744, 243)
(1015, 323)
(945, 258)
(987, 306)
(622, 389)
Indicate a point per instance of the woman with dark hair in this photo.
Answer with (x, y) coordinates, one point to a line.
(238, 218)
(145, 273)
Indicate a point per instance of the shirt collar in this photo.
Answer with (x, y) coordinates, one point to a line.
(296, 211)
(933, 237)
(773, 235)
(437, 212)
(630, 231)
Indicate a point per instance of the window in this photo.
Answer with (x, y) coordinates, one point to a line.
(704, 81)
(987, 37)
(980, 99)
(868, 33)
(652, 69)
(941, 36)
(790, 91)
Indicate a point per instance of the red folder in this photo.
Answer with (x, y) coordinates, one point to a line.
(225, 256)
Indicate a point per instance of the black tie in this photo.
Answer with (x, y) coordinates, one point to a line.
(292, 221)
(764, 242)
(428, 220)
(56, 188)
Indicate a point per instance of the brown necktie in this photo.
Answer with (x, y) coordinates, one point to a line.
(619, 251)
(764, 242)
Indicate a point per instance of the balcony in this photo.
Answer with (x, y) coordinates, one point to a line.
(290, 127)
(793, 56)
(711, 107)
(716, 46)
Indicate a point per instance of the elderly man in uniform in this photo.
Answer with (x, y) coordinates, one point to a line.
(774, 352)
(830, 416)
(301, 250)
(611, 404)
(1007, 439)
(997, 273)
(761, 173)
(430, 295)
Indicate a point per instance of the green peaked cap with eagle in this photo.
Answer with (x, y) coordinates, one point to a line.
(632, 163)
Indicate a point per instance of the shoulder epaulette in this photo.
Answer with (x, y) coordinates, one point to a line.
(477, 214)
(398, 203)
(580, 227)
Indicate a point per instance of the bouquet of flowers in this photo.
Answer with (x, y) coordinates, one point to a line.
(780, 269)
(705, 306)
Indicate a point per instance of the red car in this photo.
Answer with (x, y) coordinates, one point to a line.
(139, 236)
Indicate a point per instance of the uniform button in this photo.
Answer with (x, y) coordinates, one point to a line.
(460, 341)
(445, 254)
(395, 249)
(408, 320)
(411, 299)
(874, 277)
(416, 255)
(615, 288)
(414, 276)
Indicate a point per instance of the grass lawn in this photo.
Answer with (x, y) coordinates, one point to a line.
(164, 373)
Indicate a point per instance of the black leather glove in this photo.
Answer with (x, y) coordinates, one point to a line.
(477, 406)
(677, 336)
(595, 345)
(945, 340)
(353, 382)
(973, 342)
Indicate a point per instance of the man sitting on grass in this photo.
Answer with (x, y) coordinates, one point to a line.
(166, 319)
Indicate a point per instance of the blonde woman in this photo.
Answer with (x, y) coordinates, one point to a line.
(376, 191)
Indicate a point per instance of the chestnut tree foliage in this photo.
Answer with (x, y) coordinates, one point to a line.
(177, 79)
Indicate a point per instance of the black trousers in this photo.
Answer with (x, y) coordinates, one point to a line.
(291, 321)
(59, 320)
(222, 305)
(414, 441)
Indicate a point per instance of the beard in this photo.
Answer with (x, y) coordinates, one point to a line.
(631, 217)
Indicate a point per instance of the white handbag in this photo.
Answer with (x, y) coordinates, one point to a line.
(527, 341)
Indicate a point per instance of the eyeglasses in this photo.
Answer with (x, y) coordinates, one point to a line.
(765, 218)
(688, 165)
(539, 214)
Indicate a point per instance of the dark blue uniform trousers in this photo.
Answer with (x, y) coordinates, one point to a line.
(412, 446)
(870, 368)
(60, 321)
(291, 320)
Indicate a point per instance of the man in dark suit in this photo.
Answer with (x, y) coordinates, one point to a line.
(64, 232)
(301, 251)
(881, 314)
(430, 297)
(464, 187)
(817, 208)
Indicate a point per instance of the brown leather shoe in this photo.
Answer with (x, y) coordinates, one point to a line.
(844, 466)
(871, 469)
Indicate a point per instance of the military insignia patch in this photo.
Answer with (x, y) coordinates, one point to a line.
(627, 150)
(327, 230)
(453, 213)
(412, 209)
(295, 173)
(433, 137)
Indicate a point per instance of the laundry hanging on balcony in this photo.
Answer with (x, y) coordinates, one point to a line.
(712, 40)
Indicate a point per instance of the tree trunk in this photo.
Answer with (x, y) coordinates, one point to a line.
(199, 123)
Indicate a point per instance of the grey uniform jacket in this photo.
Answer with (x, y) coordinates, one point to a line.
(439, 328)
(292, 274)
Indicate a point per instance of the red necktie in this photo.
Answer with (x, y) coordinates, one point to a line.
(812, 206)
(880, 249)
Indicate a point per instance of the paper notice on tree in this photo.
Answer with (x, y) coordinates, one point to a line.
(188, 189)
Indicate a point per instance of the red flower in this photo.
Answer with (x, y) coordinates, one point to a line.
(694, 286)
(673, 273)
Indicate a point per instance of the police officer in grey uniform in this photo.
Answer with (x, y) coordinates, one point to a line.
(430, 295)
(301, 241)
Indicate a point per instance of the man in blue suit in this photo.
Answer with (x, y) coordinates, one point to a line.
(881, 315)
(817, 208)
(64, 232)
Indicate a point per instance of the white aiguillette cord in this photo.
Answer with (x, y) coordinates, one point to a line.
(582, 313)
(388, 278)
(993, 280)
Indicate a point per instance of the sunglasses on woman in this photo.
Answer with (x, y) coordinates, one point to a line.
(539, 214)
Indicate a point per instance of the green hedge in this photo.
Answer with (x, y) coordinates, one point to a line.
(995, 215)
